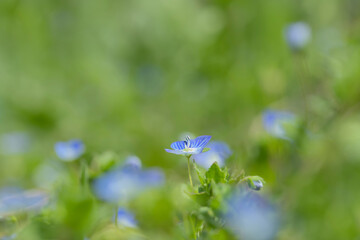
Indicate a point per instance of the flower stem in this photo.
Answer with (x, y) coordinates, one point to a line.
(116, 216)
(193, 227)
(188, 158)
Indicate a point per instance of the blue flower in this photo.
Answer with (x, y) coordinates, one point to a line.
(219, 152)
(249, 216)
(297, 35)
(257, 185)
(125, 218)
(69, 151)
(274, 122)
(14, 200)
(255, 182)
(126, 182)
(189, 146)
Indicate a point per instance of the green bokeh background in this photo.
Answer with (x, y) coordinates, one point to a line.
(132, 76)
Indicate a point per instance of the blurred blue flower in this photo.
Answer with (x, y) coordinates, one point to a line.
(297, 35)
(133, 161)
(126, 182)
(219, 152)
(69, 151)
(249, 216)
(15, 143)
(12, 236)
(274, 122)
(13, 200)
(189, 146)
(124, 218)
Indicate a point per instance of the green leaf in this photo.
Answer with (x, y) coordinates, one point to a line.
(196, 225)
(208, 215)
(257, 178)
(201, 198)
(205, 150)
(200, 173)
(220, 192)
(215, 173)
(106, 160)
(237, 177)
(102, 163)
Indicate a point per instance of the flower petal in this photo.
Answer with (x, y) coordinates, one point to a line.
(219, 152)
(178, 152)
(180, 145)
(69, 151)
(14, 201)
(152, 177)
(220, 148)
(200, 142)
(125, 219)
(124, 183)
(274, 121)
(77, 145)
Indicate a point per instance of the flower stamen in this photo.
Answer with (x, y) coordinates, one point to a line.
(187, 142)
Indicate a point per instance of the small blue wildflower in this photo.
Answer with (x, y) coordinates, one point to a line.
(249, 216)
(258, 185)
(69, 151)
(14, 143)
(13, 200)
(255, 182)
(189, 146)
(124, 218)
(126, 182)
(219, 152)
(297, 35)
(274, 122)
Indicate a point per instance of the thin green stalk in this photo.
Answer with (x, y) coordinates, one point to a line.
(243, 180)
(304, 73)
(193, 227)
(116, 216)
(188, 158)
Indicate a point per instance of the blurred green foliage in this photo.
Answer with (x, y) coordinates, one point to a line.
(131, 76)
